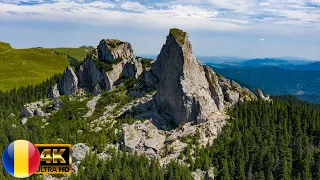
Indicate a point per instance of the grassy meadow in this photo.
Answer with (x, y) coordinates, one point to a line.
(78, 53)
(22, 67)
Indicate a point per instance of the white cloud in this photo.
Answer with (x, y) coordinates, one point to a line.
(270, 15)
(239, 5)
(133, 6)
(262, 39)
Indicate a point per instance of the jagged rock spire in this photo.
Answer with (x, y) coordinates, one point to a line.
(69, 83)
(183, 92)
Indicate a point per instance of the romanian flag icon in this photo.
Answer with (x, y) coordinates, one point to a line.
(21, 159)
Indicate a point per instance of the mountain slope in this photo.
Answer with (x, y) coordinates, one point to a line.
(22, 67)
(78, 53)
(313, 67)
(4, 47)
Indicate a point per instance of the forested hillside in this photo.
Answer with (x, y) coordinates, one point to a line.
(278, 140)
(263, 140)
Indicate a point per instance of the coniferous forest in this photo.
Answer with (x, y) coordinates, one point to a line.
(262, 140)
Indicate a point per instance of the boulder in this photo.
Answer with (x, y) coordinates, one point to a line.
(79, 152)
(130, 138)
(69, 83)
(141, 137)
(24, 121)
(183, 93)
(27, 112)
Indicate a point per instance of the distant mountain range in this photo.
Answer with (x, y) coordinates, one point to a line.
(277, 81)
(271, 62)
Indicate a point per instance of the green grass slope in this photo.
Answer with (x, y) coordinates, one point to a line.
(78, 53)
(21, 67)
(5, 47)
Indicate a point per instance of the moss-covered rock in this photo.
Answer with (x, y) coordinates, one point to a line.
(179, 35)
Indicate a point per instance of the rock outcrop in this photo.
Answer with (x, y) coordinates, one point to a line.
(215, 88)
(89, 76)
(111, 49)
(183, 92)
(35, 109)
(187, 91)
(79, 152)
(142, 136)
(69, 83)
(54, 92)
(116, 61)
(261, 96)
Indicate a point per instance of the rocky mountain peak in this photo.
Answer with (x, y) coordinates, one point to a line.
(111, 49)
(183, 92)
(187, 90)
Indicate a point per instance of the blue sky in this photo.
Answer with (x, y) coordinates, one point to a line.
(245, 28)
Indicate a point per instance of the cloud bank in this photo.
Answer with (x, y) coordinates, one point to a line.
(218, 15)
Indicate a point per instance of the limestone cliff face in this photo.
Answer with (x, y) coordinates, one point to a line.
(110, 49)
(89, 75)
(93, 78)
(215, 88)
(188, 91)
(183, 91)
(69, 83)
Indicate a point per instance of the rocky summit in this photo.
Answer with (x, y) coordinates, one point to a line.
(187, 90)
(139, 102)
(111, 49)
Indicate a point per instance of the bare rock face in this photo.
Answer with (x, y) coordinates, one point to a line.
(34, 109)
(54, 92)
(57, 104)
(69, 83)
(261, 96)
(216, 90)
(183, 92)
(110, 49)
(142, 137)
(89, 75)
(132, 69)
(97, 90)
(187, 91)
(114, 75)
